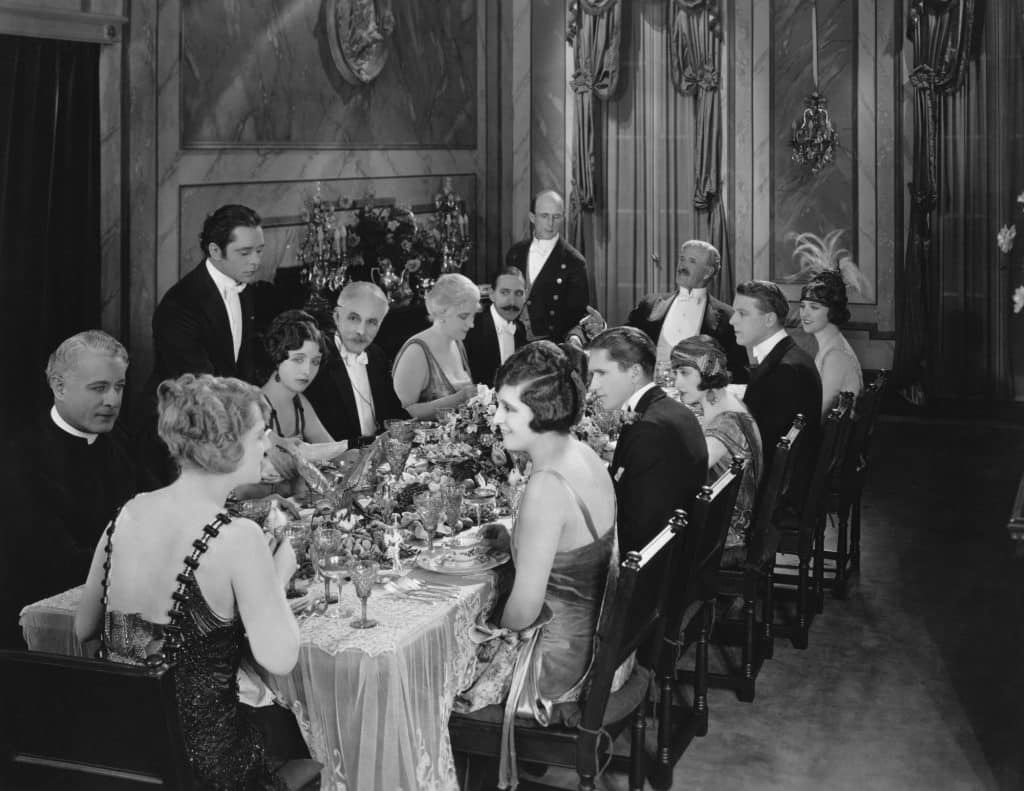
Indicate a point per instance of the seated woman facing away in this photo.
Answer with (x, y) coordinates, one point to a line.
(822, 311)
(699, 364)
(431, 370)
(234, 600)
(563, 542)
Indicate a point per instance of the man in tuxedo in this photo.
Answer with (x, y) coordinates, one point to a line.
(497, 331)
(353, 393)
(661, 459)
(69, 472)
(557, 291)
(783, 380)
(669, 317)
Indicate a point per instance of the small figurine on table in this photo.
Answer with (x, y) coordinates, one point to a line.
(393, 545)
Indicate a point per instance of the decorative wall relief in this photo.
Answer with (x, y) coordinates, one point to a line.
(329, 74)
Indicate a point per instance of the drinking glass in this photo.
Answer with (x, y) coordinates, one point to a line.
(364, 574)
(451, 503)
(297, 532)
(397, 451)
(446, 418)
(334, 566)
(326, 541)
(400, 428)
(428, 508)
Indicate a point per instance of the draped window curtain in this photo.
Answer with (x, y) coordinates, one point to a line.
(49, 207)
(644, 193)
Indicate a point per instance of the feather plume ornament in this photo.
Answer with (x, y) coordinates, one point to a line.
(815, 254)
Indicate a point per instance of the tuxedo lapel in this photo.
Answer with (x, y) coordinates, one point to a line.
(648, 399)
(490, 338)
(343, 386)
(212, 304)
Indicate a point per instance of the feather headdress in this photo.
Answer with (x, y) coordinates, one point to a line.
(815, 254)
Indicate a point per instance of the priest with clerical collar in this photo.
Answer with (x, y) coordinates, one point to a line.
(689, 310)
(68, 473)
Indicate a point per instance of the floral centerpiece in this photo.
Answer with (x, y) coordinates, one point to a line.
(1004, 239)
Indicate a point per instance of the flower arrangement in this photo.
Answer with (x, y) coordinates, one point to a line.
(1004, 239)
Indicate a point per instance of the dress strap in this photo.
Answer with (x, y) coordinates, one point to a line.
(172, 631)
(579, 501)
(275, 424)
(108, 549)
(438, 384)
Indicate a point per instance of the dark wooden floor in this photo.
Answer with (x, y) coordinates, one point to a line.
(917, 680)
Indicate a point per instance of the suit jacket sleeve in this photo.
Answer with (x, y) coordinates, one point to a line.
(774, 407)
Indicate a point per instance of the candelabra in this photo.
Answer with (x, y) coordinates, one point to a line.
(814, 140)
(323, 254)
(453, 227)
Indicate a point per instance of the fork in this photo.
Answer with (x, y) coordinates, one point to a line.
(422, 598)
(411, 585)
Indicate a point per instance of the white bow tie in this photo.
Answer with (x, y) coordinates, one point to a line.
(351, 358)
(690, 297)
(507, 328)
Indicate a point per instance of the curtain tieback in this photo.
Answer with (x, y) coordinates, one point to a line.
(923, 76)
(705, 77)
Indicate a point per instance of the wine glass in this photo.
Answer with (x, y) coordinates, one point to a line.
(400, 428)
(334, 566)
(451, 503)
(397, 451)
(298, 533)
(446, 418)
(428, 507)
(326, 541)
(364, 574)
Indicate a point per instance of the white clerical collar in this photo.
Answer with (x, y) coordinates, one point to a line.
(692, 293)
(764, 348)
(500, 321)
(224, 284)
(633, 400)
(63, 425)
(544, 246)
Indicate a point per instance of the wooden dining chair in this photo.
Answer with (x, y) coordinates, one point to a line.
(582, 733)
(689, 616)
(71, 722)
(847, 488)
(798, 533)
(750, 579)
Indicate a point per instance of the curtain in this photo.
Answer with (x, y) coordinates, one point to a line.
(696, 59)
(646, 198)
(49, 208)
(942, 36)
(981, 169)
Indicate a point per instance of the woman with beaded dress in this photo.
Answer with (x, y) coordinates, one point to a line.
(174, 578)
(823, 309)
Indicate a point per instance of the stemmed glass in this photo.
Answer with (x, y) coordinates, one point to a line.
(428, 507)
(327, 544)
(298, 533)
(400, 428)
(397, 451)
(451, 503)
(364, 574)
(446, 418)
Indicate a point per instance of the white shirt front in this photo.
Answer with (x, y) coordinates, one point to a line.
(63, 425)
(682, 320)
(355, 365)
(540, 251)
(506, 332)
(764, 348)
(229, 291)
(633, 400)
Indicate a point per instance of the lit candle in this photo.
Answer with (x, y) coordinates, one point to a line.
(814, 42)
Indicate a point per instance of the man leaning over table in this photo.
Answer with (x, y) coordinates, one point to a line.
(353, 393)
(67, 473)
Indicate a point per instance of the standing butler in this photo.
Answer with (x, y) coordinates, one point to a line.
(353, 394)
(497, 331)
(557, 293)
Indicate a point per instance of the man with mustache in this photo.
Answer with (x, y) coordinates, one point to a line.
(497, 330)
(69, 473)
(353, 394)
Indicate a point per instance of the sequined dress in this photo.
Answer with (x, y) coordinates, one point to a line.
(224, 748)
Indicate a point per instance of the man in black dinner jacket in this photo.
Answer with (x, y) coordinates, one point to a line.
(353, 394)
(66, 475)
(669, 317)
(661, 458)
(784, 381)
(497, 330)
(557, 291)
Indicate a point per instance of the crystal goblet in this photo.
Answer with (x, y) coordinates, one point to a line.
(335, 566)
(400, 428)
(451, 503)
(326, 541)
(397, 452)
(428, 508)
(364, 574)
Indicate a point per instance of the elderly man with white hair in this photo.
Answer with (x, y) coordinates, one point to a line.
(68, 473)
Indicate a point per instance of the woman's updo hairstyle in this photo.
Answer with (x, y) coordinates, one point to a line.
(286, 333)
(829, 289)
(202, 420)
(706, 356)
(552, 386)
(448, 293)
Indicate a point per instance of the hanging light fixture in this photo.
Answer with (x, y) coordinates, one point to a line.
(814, 139)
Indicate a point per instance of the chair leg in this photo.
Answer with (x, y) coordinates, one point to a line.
(855, 532)
(636, 750)
(799, 638)
(700, 675)
(768, 624)
(839, 583)
(818, 578)
(663, 770)
(745, 691)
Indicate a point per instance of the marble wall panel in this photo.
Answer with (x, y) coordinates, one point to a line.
(761, 138)
(549, 87)
(804, 202)
(269, 77)
(739, 143)
(521, 138)
(111, 298)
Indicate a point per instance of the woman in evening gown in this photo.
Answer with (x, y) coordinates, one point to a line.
(822, 311)
(175, 579)
(431, 370)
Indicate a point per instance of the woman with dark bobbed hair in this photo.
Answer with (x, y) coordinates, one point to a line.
(563, 541)
(701, 376)
(822, 311)
(175, 578)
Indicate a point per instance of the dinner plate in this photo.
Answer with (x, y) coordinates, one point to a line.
(436, 562)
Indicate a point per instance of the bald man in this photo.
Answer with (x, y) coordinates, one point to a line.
(353, 393)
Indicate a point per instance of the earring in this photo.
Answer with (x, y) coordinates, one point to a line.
(277, 376)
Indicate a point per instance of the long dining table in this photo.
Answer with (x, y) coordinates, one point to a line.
(372, 704)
